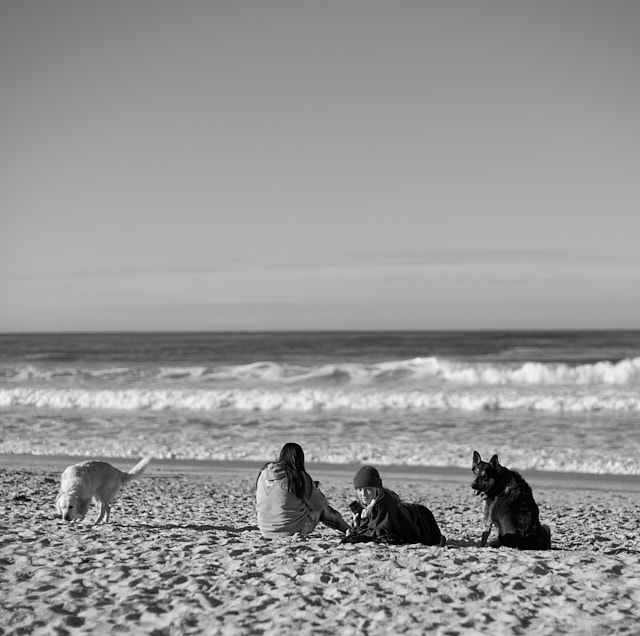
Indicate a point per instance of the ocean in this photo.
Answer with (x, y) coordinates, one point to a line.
(551, 401)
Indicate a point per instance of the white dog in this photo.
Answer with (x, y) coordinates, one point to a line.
(92, 480)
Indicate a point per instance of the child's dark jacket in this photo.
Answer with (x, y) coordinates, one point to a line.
(397, 521)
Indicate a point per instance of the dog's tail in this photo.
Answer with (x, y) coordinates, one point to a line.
(137, 470)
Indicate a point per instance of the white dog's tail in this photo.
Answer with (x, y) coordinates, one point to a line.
(137, 470)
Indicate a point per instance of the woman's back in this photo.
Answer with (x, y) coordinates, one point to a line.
(280, 511)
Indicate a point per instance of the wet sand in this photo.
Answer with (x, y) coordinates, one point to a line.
(182, 555)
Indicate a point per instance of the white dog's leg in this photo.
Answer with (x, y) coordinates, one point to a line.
(103, 510)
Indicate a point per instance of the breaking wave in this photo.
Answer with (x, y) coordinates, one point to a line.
(558, 400)
(417, 371)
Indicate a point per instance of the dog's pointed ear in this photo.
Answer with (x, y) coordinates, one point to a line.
(494, 461)
(476, 458)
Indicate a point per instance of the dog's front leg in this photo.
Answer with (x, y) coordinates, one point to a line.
(488, 523)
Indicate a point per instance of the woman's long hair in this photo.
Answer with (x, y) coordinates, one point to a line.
(292, 461)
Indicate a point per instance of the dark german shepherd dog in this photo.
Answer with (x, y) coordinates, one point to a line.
(509, 505)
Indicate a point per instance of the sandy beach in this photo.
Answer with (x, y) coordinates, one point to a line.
(182, 555)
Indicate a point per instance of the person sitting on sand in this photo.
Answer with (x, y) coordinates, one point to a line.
(288, 501)
(386, 518)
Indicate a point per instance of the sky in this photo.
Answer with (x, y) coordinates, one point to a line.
(352, 164)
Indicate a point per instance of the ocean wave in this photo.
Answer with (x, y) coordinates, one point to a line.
(313, 400)
(414, 372)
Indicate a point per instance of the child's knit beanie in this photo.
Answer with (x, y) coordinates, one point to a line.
(367, 477)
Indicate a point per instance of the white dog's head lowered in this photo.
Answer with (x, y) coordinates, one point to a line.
(70, 507)
(76, 491)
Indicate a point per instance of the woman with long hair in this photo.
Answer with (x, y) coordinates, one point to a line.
(288, 501)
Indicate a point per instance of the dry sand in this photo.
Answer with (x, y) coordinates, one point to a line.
(182, 555)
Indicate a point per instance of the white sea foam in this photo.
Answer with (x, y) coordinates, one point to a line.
(389, 452)
(315, 399)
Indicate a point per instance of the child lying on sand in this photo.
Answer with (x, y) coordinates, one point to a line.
(384, 517)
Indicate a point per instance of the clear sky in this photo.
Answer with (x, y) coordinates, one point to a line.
(348, 164)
